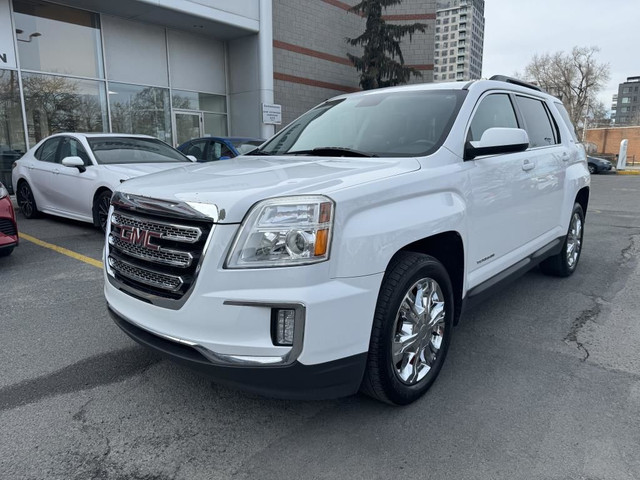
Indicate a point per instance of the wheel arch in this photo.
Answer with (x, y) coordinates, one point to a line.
(448, 248)
(582, 197)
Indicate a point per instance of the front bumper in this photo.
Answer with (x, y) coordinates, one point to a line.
(333, 379)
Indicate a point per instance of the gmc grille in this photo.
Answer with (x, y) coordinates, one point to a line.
(150, 253)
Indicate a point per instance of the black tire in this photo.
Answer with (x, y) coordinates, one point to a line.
(5, 252)
(383, 376)
(592, 169)
(26, 201)
(565, 263)
(101, 209)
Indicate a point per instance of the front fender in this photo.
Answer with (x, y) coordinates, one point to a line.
(368, 237)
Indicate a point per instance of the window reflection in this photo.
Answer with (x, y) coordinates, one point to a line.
(61, 104)
(11, 127)
(57, 39)
(144, 110)
(199, 101)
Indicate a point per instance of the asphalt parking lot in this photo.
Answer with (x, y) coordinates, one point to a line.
(542, 381)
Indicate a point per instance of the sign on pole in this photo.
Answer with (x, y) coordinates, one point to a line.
(622, 157)
(271, 114)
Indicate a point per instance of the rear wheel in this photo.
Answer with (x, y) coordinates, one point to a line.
(26, 202)
(5, 252)
(101, 209)
(592, 169)
(412, 329)
(565, 263)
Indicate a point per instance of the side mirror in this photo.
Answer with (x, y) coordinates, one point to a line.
(224, 158)
(74, 162)
(192, 158)
(497, 140)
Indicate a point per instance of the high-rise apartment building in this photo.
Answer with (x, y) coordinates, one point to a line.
(628, 108)
(459, 40)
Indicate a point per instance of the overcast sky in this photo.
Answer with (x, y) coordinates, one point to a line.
(517, 29)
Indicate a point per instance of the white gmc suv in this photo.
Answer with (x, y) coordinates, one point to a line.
(340, 255)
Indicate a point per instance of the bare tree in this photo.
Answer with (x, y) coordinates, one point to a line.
(575, 77)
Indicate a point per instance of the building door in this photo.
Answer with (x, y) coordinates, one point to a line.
(188, 125)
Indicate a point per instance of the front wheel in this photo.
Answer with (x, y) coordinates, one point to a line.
(565, 263)
(5, 252)
(101, 209)
(592, 169)
(412, 329)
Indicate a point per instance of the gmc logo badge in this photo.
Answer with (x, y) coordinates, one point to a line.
(140, 237)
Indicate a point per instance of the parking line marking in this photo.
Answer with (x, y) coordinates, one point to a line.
(62, 250)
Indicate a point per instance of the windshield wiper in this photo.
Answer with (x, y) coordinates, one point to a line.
(258, 152)
(332, 152)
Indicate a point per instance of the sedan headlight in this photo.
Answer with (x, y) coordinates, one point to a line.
(282, 232)
(3, 191)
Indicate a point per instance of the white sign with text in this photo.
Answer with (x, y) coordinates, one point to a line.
(271, 114)
(7, 50)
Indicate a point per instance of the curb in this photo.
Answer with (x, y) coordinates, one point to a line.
(628, 172)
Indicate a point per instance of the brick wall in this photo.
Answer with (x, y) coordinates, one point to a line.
(310, 49)
(607, 140)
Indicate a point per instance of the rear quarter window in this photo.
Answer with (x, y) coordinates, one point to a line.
(538, 123)
(567, 120)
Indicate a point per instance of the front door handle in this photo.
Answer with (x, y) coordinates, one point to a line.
(528, 165)
(56, 171)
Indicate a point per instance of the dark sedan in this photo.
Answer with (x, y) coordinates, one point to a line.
(208, 149)
(598, 165)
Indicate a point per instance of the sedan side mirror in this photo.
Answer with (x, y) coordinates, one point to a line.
(497, 140)
(74, 162)
(192, 158)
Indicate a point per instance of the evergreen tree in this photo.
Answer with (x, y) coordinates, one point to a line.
(382, 63)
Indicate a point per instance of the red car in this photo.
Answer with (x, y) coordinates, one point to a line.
(8, 227)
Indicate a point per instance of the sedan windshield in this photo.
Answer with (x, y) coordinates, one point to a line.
(112, 150)
(246, 146)
(383, 124)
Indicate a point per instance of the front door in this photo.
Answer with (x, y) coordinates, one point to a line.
(188, 125)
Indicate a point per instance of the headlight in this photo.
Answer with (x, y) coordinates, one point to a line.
(3, 191)
(282, 232)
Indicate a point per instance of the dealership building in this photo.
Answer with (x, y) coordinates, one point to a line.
(179, 69)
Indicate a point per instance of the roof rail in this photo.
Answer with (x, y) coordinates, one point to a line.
(515, 81)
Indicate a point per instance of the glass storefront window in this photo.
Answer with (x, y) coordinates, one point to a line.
(199, 101)
(11, 127)
(136, 109)
(62, 104)
(215, 125)
(57, 39)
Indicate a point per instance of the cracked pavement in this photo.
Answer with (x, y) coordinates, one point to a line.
(542, 382)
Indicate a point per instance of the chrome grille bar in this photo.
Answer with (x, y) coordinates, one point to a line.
(169, 231)
(152, 278)
(165, 256)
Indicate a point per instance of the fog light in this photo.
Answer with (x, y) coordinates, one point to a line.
(283, 323)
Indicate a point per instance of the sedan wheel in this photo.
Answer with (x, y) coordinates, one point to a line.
(101, 209)
(26, 202)
(592, 169)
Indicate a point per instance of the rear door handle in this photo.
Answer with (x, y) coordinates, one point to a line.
(56, 171)
(528, 165)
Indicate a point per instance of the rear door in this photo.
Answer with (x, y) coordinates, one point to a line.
(41, 173)
(548, 157)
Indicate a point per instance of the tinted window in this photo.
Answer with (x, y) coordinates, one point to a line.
(109, 150)
(565, 118)
(494, 111)
(382, 123)
(72, 148)
(197, 149)
(246, 146)
(47, 152)
(537, 122)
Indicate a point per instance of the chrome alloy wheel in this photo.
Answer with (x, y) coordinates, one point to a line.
(25, 200)
(418, 331)
(574, 240)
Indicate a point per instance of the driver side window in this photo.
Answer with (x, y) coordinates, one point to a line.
(495, 110)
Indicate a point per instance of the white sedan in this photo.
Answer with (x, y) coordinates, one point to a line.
(73, 174)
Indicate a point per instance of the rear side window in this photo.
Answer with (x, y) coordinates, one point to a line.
(537, 122)
(567, 120)
(494, 111)
(47, 152)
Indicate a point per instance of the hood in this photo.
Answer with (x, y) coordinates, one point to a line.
(234, 185)
(130, 170)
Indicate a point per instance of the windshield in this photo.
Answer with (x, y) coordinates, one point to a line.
(246, 146)
(110, 150)
(384, 124)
